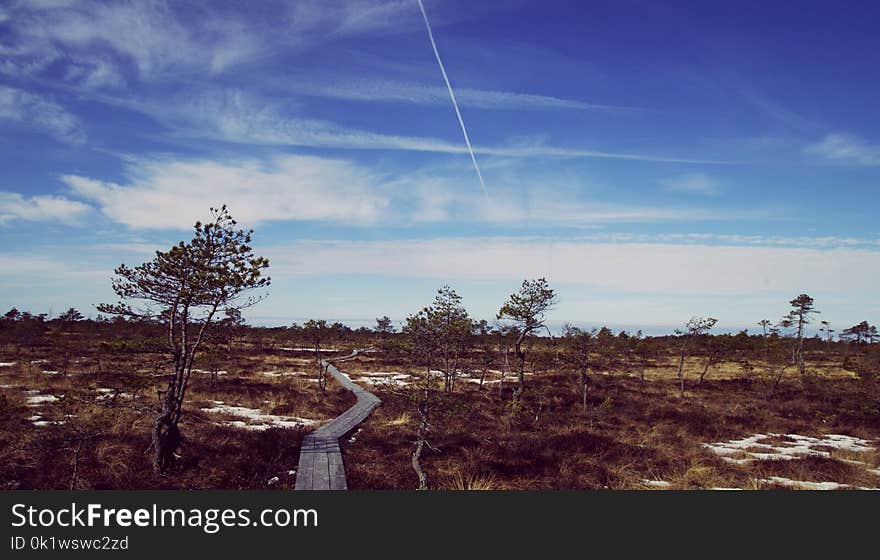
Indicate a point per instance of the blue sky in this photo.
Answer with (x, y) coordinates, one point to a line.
(655, 160)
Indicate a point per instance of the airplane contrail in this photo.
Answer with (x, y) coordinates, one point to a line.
(452, 96)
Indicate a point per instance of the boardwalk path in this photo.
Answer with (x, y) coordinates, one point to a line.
(320, 460)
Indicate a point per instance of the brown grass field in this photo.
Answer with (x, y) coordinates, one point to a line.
(76, 411)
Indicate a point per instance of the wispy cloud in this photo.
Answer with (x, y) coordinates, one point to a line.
(40, 113)
(353, 17)
(153, 40)
(422, 94)
(693, 183)
(41, 208)
(847, 149)
(234, 116)
(777, 111)
(167, 194)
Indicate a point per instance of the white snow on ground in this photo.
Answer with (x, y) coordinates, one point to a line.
(723, 488)
(7, 364)
(6, 387)
(794, 446)
(36, 399)
(38, 420)
(802, 484)
(787, 447)
(656, 483)
(51, 372)
(107, 392)
(303, 349)
(255, 419)
(218, 372)
(380, 378)
(402, 379)
(39, 361)
(282, 373)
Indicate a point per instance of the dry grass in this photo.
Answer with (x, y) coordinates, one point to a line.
(107, 399)
(639, 432)
(631, 432)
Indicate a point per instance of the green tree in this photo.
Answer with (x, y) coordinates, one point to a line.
(384, 328)
(70, 317)
(317, 331)
(695, 327)
(185, 288)
(447, 324)
(436, 336)
(526, 309)
(579, 345)
(799, 317)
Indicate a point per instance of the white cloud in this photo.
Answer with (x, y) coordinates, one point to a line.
(847, 149)
(171, 194)
(635, 268)
(233, 116)
(154, 39)
(41, 208)
(352, 17)
(693, 183)
(421, 94)
(40, 113)
(167, 193)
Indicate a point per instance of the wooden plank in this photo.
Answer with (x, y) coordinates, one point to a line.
(306, 464)
(321, 471)
(320, 460)
(337, 472)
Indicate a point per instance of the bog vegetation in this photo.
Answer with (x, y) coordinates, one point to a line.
(170, 388)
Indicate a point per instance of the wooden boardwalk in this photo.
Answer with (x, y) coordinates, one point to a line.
(320, 459)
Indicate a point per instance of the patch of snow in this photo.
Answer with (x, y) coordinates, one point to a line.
(723, 488)
(282, 373)
(7, 364)
(35, 399)
(303, 349)
(656, 483)
(6, 387)
(273, 480)
(794, 446)
(291, 472)
(51, 372)
(399, 380)
(802, 484)
(106, 393)
(40, 361)
(255, 419)
(218, 372)
(874, 471)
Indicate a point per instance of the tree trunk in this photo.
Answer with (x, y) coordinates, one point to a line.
(166, 435)
(417, 466)
(521, 382)
(705, 369)
(681, 373)
(583, 393)
(420, 442)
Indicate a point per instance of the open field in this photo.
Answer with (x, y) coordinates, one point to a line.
(92, 410)
(77, 409)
